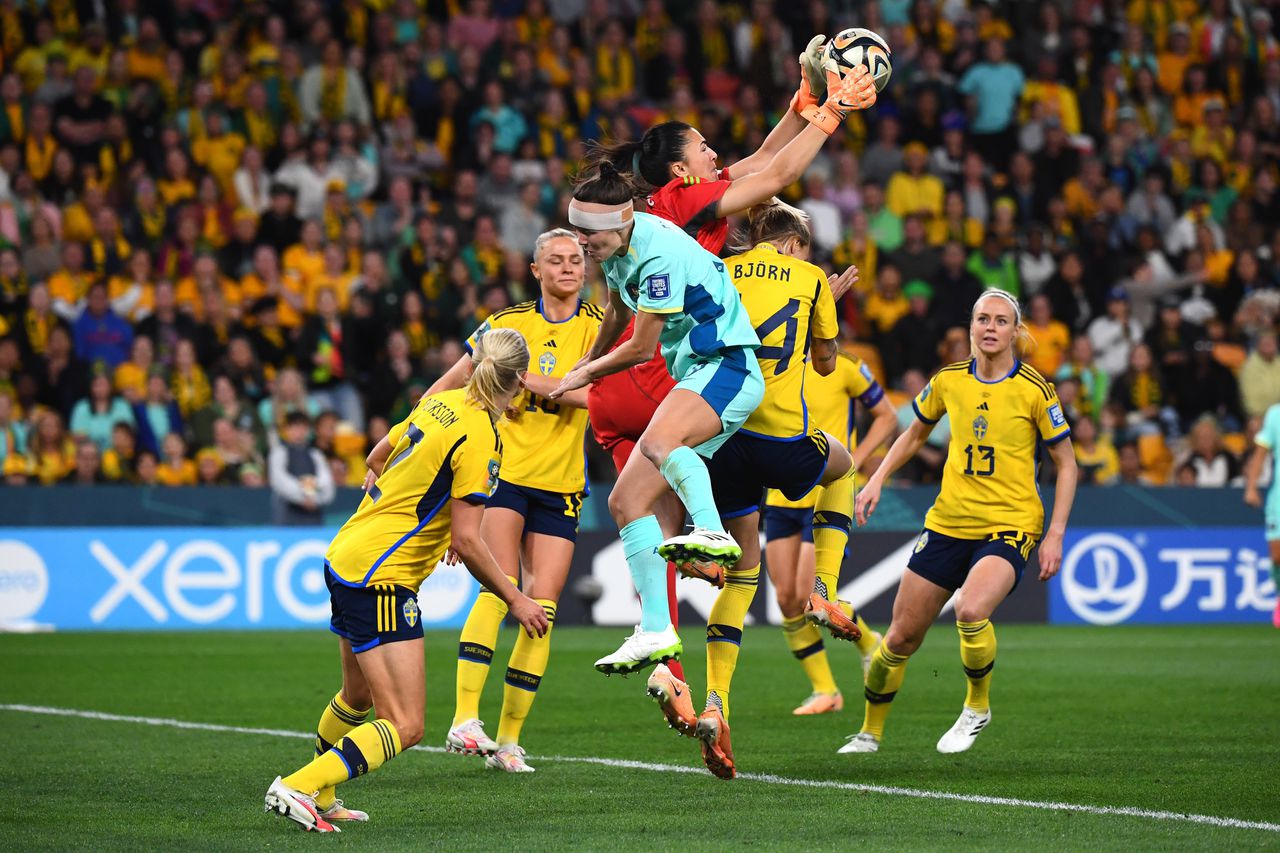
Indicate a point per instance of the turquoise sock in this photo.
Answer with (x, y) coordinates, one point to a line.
(640, 541)
(687, 474)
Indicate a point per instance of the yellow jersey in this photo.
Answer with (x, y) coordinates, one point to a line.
(545, 444)
(446, 448)
(989, 481)
(787, 299)
(830, 399)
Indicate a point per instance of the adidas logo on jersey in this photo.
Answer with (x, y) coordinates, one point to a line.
(550, 343)
(984, 408)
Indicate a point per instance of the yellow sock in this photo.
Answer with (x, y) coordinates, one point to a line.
(805, 642)
(978, 655)
(338, 719)
(883, 681)
(475, 653)
(867, 642)
(525, 669)
(364, 749)
(724, 632)
(832, 521)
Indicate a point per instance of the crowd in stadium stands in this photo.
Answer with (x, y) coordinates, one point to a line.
(232, 231)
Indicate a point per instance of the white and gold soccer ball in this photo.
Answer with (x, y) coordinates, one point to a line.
(859, 46)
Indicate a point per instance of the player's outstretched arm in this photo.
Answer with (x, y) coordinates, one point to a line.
(544, 386)
(635, 350)
(907, 445)
(1064, 494)
(812, 89)
(465, 540)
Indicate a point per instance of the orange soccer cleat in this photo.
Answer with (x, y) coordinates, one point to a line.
(673, 699)
(820, 703)
(831, 615)
(717, 753)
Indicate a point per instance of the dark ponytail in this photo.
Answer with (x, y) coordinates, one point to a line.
(647, 162)
(605, 185)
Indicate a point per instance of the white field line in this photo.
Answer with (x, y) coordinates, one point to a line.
(768, 778)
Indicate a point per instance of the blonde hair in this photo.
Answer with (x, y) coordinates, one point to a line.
(1023, 342)
(774, 221)
(547, 236)
(499, 357)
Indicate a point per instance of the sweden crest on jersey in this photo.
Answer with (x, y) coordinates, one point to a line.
(980, 427)
(546, 363)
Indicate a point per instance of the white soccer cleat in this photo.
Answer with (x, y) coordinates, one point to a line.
(642, 649)
(861, 742)
(508, 757)
(297, 807)
(338, 811)
(468, 738)
(866, 659)
(962, 735)
(702, 553)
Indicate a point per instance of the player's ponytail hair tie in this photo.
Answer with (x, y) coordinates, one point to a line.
(635, 162)
(598, 216)
(499, 357)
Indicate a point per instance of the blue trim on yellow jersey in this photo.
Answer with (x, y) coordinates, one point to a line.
(973, 371)
(921, 416)
(1050, 442)
(761, 435)
(558, 322)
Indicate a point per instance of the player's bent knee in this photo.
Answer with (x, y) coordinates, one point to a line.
(410, 733)
(902, 643)
(791, 603)
(968, 613)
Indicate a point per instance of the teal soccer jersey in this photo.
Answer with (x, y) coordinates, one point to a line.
(1268, 437)
(666, 272)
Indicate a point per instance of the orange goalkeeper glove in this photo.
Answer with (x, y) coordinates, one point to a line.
(855, 91)
(813, 78)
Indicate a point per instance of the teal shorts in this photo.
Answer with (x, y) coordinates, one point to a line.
(733, 385)
(1273, 516)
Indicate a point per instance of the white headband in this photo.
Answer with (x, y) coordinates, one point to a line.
(594, 216)
(1005, 295)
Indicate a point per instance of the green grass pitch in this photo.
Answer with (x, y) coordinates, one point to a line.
(1173, 720)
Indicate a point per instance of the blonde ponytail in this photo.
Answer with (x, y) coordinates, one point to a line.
(499, 357)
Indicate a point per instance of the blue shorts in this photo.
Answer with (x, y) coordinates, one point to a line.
(783, 521)
(748, 464)
(732, 384)
(371, 616)
(946, 560)
(551, 513)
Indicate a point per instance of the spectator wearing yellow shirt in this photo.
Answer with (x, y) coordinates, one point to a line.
(219, 151)
(1081, 192)
(955, 224)
(130, 377)
(1052, 339)
(1214, 137)
(40, 147)
(69, 285)
(176, 186)
(615, 64)
(107, 250)
(1096, 457)
(886, 304)
(189, 383)
(915, 190)
(268, 281)
(333, 276)
(1174, 60)
(205, 278)
(1189, 104)
(305, 259)
(93, 51)
(1053, 97)
(176, 469)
